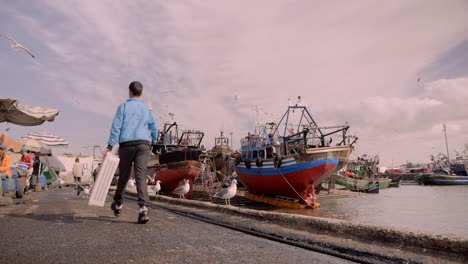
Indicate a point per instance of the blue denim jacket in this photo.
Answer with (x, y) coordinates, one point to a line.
(133, 121)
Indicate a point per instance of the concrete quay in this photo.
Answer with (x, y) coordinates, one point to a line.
(407, 244)
(57, 226)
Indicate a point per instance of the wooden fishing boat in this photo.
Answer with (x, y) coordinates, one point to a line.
(291, 164)
(361, 175)
(363, 185)
(351, 182)
(220, 153)
(370, 189)
(177, 158)
(447, 172)
(441, 179)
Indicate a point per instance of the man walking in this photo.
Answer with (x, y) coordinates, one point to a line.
(77, 174)
(135, 129)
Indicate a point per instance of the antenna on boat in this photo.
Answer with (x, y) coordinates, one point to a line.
(257, 109)
(299, 101)
(446, 144)
(270, 117)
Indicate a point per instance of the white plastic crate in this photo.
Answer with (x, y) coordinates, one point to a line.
(103, 181)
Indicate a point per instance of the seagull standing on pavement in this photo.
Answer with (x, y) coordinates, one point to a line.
(228, 193)
(182, 189)
(131, 183)
(157, 187)
(16, 46)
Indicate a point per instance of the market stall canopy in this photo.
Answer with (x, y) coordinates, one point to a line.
(47, 139)
(52, 162)
(10, 143)
(24, 115)
(35, 146)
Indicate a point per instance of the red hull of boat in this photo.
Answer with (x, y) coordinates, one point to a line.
(172, 175)
(303, 182)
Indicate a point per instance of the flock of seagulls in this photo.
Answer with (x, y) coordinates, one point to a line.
(16, 46)
(225, 193)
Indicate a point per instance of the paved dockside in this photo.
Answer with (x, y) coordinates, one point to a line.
(55, 226)
(386, 240)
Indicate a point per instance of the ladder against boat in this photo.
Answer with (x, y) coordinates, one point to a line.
(280, 201)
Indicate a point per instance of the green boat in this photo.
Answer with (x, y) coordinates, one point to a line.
(361, 175)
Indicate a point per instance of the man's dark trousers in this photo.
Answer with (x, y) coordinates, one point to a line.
(138, 154)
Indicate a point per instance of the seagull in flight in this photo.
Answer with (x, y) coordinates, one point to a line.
(16, 46)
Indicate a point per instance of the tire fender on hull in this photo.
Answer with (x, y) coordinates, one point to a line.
(277, 161)
(259, 162)
(238, 160)
(247, 163)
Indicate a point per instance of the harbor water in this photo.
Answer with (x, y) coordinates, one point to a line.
(437, 209)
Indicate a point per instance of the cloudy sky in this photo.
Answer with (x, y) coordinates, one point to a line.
(351, 61)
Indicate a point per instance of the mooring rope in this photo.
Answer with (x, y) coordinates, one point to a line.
(304, 200)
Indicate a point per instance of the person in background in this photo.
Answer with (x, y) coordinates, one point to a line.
(96, 172)
(5, 163)
(35, 173)
(77, 174)
(135, 130)
(28, 160)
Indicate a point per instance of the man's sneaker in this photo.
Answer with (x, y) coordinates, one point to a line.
(143, 217)
(116, 208)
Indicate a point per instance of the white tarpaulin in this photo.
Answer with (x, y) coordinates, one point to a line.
(52, 162)
(24, 115)
(35, 145)
(47, 139)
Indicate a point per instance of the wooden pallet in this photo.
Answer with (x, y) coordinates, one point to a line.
(288, 203)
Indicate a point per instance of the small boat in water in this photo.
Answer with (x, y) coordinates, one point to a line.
(177, 159)
(292, 163)
(447, 172)
(361, 176)
(442, 179)
(372, 188)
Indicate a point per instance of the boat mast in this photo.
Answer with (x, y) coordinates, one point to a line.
(446, 143)
(257, 109)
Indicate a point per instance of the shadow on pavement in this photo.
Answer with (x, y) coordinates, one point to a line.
(71, 218)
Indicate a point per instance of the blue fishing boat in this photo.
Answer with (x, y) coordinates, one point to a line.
(287, 160)
(442, 179)
(447, 173)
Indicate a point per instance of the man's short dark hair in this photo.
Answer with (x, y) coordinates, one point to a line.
(136, 88)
